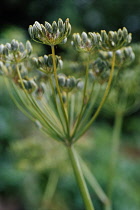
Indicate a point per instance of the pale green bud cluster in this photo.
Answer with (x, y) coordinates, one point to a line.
(15, 52)
(111, 41)
(48, 34)
(67, 83)
(124, 56)
(29, 84)
(33, 86)
(84, 42)
(100, 70)
(114, 40)
(45, 63)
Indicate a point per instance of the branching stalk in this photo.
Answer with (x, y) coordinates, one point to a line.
(83, 102)
(58, 89)
(80, 178)
(94, 183)
(102, 101)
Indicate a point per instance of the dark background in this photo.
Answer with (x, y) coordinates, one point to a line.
(89, 15)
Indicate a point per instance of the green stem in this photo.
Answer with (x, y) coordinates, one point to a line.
(80, 178)
(49, 190)
(94, 183)
(102, 101)
(56, 105)
(38, 112)
(114, 151)
(58, 89)
(83, 102)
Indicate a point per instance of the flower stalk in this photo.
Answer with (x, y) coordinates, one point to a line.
(115, 141)
(59, 93)
(80, 178)
(102, 101)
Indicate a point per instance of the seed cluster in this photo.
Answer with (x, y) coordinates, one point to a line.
(48, 34)
(111, 41)
(15, 52)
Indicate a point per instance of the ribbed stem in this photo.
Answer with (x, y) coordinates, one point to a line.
(80, 178)
(114, 151)
(94, 183)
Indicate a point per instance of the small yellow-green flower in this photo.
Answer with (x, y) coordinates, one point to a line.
(48, 34)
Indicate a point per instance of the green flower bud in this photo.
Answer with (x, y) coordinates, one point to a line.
(60, 63)
(60, 25)
(62, 80)
(35, 61)
(50, 61)
(38, 26)
(1, 48)
(66, 83)
(21, 47)
(83, 42)
(120, 34)
(77, 38)
(50, 34)
(99, 39)
(84, 37)
(29, 47)
(93, 37)
(31, 33)
(48, 27)
(45, 59)
(5, 51)
(14, 45)
(29, 85)
(104, 36)
(72, 82)
(43, 28)
(80, 85)
(125, 32)
(8, 45)
(54, 27)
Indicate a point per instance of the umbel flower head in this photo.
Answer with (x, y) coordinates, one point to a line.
(48, 34)
(45, 63)
(113, 40)
(85, 42)
(15, 52)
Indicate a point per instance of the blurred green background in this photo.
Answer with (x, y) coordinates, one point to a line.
(30, 175)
